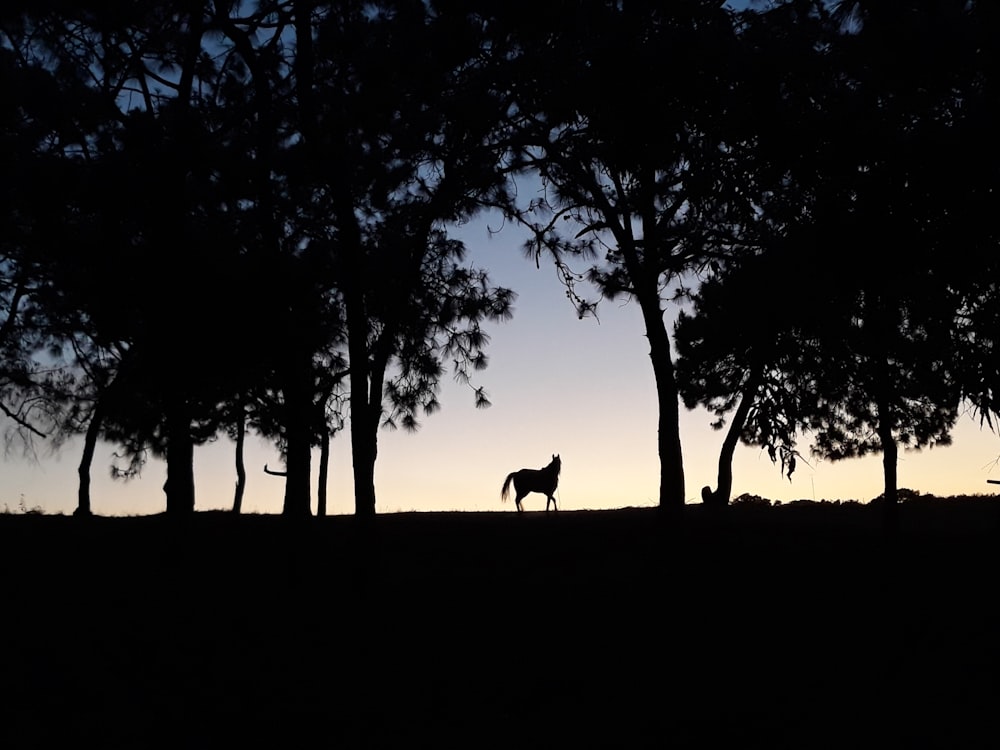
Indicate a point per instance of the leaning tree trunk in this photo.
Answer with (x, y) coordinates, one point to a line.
(87, 460)
(724, 490)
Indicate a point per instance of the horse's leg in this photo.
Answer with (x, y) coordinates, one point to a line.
(518, 499)
(552, 500)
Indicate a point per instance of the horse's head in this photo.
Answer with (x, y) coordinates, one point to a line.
(556, 463)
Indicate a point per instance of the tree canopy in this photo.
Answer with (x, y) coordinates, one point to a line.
(878, 225)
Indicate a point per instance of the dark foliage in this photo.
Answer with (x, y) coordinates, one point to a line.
(878, 334)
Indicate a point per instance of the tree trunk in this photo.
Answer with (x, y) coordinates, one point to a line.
(364, 446)
(241, 472)
(86, 460)
(298, 463)
(365, 401)
(668, 401)
(298, 450)
(179, 486)
(724, 490)
(885, 323)
(324, 464)
(890, 456)
(724, 481)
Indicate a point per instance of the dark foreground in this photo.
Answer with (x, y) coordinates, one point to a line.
(785, 627)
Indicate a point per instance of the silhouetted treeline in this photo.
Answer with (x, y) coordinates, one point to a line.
(220, 218)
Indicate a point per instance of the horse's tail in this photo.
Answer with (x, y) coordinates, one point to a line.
(506, 486)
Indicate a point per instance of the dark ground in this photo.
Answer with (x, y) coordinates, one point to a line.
(799, 627)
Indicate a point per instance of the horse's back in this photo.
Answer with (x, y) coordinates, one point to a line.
(535, 480)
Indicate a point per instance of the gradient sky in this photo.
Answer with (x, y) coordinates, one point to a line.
(579, 388)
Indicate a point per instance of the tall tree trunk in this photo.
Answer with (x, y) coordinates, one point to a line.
(179, 486)
(241, 472)
(324, 464)
(364, 439)
(86, 460)
(365, 403)
(668, 439)
(646, 280)
(364, 450)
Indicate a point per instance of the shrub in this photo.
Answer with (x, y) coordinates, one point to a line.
(746, 499)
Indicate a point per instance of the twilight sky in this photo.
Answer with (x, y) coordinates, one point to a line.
(579, 388)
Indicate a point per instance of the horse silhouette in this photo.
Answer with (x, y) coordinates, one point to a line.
(534, 480)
